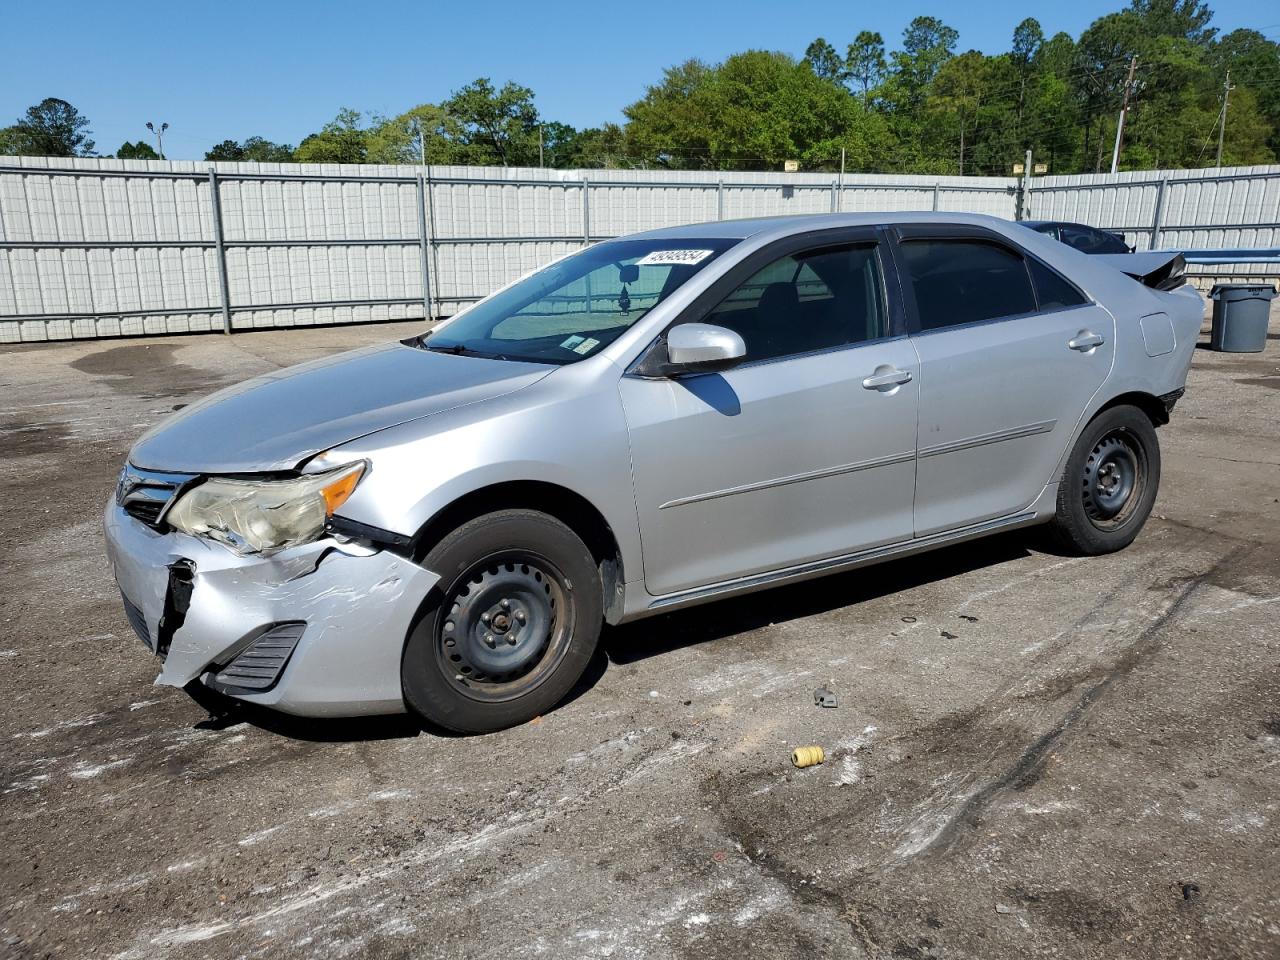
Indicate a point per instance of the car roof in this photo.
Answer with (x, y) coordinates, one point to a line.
(802, 223)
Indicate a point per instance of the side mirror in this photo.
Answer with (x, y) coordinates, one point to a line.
(702, 348)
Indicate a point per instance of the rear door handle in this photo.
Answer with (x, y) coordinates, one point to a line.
(886, 377)
(1086, 340)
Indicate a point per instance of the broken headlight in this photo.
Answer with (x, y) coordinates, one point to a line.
(264, 516)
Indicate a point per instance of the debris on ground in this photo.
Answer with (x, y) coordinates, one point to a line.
(823, 697)
(808, 756)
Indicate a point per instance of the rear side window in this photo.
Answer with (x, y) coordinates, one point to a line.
(1052, 289)
(807, 301)
(966, 281)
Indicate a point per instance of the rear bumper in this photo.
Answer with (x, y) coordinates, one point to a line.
(317, 630)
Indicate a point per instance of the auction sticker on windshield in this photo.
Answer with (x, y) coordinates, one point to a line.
(664, 257)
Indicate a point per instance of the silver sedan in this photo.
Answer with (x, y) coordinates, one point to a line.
(443, 524)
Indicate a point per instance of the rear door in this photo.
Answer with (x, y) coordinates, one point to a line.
(806, 450)
(1010, 354)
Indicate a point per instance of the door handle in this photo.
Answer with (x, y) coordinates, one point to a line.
(886, 377)
(1086, 340)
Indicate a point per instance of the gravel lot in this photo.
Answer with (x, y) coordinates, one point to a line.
(1033, 754)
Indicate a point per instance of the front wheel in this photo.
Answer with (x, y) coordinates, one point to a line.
(511, 627)
(1110, 483)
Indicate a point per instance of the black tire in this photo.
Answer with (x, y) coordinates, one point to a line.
(510, 627)
(1110, 483)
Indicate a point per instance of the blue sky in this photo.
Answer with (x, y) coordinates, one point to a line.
(231, 69)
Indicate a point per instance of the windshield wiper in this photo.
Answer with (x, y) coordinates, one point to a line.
(453, 349)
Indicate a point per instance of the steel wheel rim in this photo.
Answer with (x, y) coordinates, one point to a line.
(504, 626)
(1113, 479)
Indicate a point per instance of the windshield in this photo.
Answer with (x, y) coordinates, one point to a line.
(579, 305)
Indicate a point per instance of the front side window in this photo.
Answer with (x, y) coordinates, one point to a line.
(966, 281)
(576, 306)
(808, 301)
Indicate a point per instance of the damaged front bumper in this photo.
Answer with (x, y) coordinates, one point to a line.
(316, 630)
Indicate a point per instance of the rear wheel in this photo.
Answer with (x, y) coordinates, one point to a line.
(1110, 483)
(512, 624)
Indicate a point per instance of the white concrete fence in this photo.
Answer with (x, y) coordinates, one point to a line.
(102, 248)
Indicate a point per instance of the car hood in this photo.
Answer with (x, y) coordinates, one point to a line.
(276, 421)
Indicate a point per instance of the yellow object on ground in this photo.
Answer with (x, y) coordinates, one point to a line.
(807, 756)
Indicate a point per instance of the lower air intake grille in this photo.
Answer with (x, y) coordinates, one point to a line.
(137, 621)
(260, 664)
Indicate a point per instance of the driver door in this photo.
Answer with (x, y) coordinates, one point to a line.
(797, 454)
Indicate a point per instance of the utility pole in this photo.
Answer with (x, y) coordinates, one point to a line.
(164, 126)
(840, 188)
(414, 127)
(540, 145)
(1124, 110)
(1024, 196)
(1222, 121)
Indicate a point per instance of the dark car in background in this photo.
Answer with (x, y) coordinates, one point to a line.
(1083, 238)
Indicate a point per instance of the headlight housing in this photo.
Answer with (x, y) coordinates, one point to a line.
(264, 516)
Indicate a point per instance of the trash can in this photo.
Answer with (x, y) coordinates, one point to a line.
(1240, 314)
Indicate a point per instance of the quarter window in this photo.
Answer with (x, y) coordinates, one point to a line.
(808, 301)
(966, 281)
(1053, 291)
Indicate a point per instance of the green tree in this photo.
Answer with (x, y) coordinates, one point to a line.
(824, 61)
(229, 150)
(756, 109)
(865, 63)
(502, 123)
(1254, 63)
(927, 44)
(140, 150)
(256, 149)
(261, 150)
(604, 146)
(53, 128)
(1027, 40)
(956, 97)
(341, 140)
(1184, 19)
(668, 125)
(13, 142)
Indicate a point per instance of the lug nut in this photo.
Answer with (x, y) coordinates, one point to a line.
(488, 638)
(484, 618)
(506, 604)
(520, 616)
(511, 639)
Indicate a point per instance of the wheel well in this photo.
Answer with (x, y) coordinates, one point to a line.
(573, 510)
(1148, 403)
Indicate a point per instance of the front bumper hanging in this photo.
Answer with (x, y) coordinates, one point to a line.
(316, 630)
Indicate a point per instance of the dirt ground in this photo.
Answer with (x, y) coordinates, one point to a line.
(1032, 754)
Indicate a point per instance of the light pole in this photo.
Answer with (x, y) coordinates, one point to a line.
(159, 136)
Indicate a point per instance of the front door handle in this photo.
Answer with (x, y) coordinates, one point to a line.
(1086, 340)
(886, 377)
